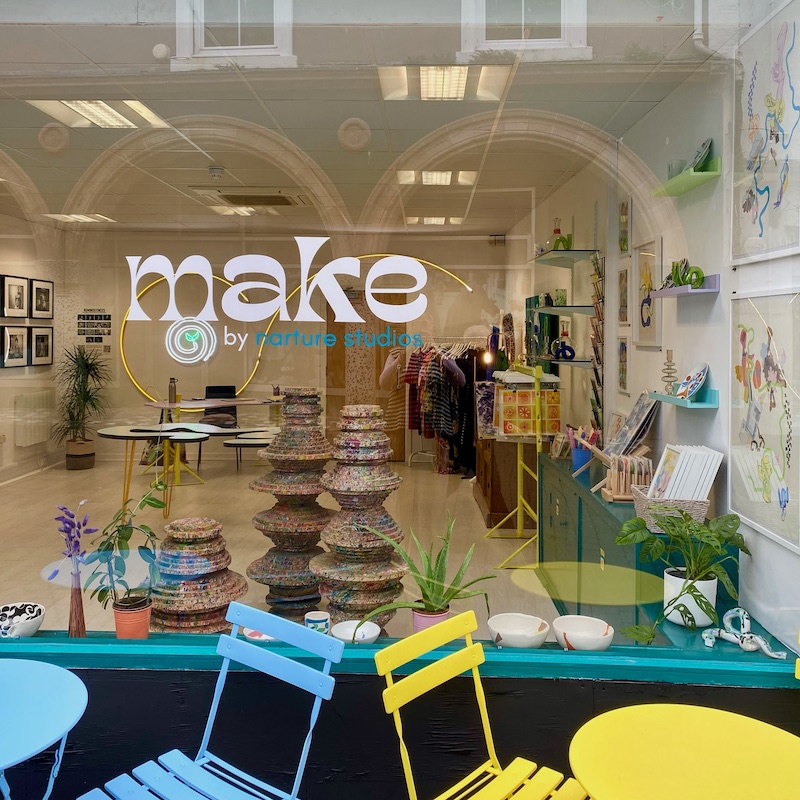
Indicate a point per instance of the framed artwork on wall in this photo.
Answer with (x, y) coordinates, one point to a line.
(624, 293)
(765, 203)
(624, 214)
(15, 347)
(646, 323)
(41, 300)
(623, 362)
(15, 296)
(41, 346)
(763, 473)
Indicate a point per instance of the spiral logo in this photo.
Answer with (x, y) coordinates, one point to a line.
(191, 340)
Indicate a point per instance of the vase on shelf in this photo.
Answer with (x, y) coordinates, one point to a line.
(669, 374)
(77, 621)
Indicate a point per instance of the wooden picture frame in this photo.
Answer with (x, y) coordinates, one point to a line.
(41, 344)
(41, 299)
(624, 293)
(624, 365)
(625, 220)
(15, 296)
(646, 323)
(15, 346)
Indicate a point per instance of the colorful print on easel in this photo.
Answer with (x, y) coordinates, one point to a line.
(764, 481)
(515, 411)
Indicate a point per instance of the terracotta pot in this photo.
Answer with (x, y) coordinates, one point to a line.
(673, 582)
(132, 623)
(426, 619)
(80, 454)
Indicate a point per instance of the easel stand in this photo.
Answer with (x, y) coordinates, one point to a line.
(610, 488)
(523, 507)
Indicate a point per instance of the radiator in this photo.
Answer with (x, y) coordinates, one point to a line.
(33, 417)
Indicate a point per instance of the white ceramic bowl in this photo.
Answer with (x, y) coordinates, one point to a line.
(20, 619)
(518, 630)
(576, 632)
(366, 634)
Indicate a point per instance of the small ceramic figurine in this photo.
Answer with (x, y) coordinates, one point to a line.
(749, 642)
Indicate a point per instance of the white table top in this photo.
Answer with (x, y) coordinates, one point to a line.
(174, 431)
(41, 703)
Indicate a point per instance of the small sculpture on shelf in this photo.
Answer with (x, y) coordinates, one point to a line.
(669, 374)
(749, 642)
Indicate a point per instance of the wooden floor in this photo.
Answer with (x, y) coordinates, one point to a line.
(31, 543)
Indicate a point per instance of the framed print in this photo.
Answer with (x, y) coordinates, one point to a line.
(41, 301)
(763, 473)
(15, 296)
(765, 212)
(623, 296)
(624, 210)
(623, 362)
(41, 346)
(646, 323)
(15, 347)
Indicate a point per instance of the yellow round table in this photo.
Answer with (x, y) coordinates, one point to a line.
(666, 751)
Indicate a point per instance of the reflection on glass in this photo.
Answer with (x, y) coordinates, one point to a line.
(523, 19)
(239, 23)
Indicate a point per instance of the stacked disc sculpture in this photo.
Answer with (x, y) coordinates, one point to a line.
(298, 455)
(359, 574)
(195, 585)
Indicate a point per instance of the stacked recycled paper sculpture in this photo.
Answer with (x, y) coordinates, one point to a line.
(196, 585)
(298, 454)
(359, 574)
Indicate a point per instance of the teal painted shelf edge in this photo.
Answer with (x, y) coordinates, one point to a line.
(689, 179)
(705, 398)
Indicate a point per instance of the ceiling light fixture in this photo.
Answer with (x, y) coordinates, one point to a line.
(412, 220)
(436, 177)
(467, 177)
(492, 82)
(434, 220)
(80, 217)
(443, 82)
(99, 113)
(230, 211)
(394, 83)
(456, 220)
(146, 113)
(406, 176)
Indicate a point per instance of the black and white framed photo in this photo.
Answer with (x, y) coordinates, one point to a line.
(41, 346)
(15, 296)
(15, 347)
(41, 301)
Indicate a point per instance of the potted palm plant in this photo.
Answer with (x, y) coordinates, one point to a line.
(436, 591)
(112, 547)
(82, 378)
(690, 588)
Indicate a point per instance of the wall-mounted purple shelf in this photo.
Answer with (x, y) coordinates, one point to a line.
(710, 286)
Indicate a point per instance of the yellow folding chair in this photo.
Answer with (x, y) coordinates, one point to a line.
(521, 779)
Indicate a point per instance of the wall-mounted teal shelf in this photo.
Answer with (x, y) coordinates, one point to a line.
(690, 179)
(705, 398)
(710, 285)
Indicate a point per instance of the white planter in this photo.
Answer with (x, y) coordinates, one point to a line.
(673, 584)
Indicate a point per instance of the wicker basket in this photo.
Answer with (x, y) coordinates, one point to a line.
(696, 509)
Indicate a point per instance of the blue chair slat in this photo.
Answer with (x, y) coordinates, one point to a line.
(287, 631)
(198, 778)
(164, 783)
(308, 678)
(123, 787)
(95, 794)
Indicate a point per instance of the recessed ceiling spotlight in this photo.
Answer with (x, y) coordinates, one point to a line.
(80, 217)
(443, 82)
(434, 220)
(436, 177)
(467, 177)
(406, 176)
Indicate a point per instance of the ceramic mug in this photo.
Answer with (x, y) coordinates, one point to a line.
(319, 621)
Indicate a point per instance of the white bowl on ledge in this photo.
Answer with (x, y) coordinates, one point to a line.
(20, 619)
(368, 633)
(517, 630)
(576, 632)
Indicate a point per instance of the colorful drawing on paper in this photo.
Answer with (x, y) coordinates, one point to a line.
(624, 211)
(623, 317)
(647, 321)
(764, 480)
(766, 199)
(623, 350)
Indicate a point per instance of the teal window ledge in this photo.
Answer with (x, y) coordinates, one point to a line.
(688, 662)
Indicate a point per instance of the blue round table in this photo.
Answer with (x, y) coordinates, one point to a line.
(41, 704)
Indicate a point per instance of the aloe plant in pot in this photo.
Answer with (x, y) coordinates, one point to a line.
(689, 589)
(430, 575)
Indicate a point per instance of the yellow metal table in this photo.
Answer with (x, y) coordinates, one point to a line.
(666, 751)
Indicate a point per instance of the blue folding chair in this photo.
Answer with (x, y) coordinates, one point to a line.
(178, 777)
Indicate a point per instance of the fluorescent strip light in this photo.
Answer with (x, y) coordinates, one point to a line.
(456, 220)
(412, 220)
(492, 82)
(436, 178)
(406, 176)
(147, 114)
(230, 211)
(394, 83)
(272, 211)
(80, 217)
(443, 82)
(434, 220)
(100, 113)
(467, 177)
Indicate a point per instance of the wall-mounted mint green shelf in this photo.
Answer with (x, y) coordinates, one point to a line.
(690, 179)
(710, 285)
(705, 398)
(563, 258)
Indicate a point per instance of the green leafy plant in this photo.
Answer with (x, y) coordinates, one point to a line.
(703, 547)
(437, 592)
(81, 377)
(113, 546)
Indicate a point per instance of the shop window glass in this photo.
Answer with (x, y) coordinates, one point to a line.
(238, 23)
(523, 20)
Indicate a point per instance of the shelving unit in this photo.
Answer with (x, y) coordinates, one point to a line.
(710, 285)
(705, 398)
(690, 179)
(563, 258)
